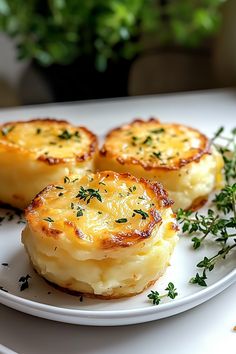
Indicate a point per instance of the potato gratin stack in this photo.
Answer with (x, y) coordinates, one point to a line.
(106, 235)
(179, 157)
(38, 152)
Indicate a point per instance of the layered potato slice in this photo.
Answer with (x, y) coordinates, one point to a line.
(179, 157)
(105, 235)
(37, 152)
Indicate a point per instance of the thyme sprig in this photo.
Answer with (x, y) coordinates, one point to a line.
(225, 201)
(156, 297)
(209, 264)
(204, 225)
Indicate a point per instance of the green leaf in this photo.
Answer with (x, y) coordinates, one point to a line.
(155, 297)
(142, 213)
(121, 221)
(196, 242)
(198, 279)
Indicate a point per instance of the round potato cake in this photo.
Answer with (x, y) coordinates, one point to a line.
(106, 235)
(35, 153)
(179, 157)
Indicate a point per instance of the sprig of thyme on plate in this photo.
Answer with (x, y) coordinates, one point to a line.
(156, 298)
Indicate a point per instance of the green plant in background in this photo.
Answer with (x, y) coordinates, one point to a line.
(59, 31)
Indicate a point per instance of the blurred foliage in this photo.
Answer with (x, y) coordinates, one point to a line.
(59, 31)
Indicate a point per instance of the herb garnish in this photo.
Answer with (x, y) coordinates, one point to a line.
(38, 131)
(89, 194)
(225, 201)
(158, 131)
(7, 129)
(156, 297)
(148, 140)
(10, 215)
(121, 221)
(132, 189)
(48, 219)
(142, 213)
(157, 154)
(24, 281)
(65, 135)
(79, 212)
(66, 179)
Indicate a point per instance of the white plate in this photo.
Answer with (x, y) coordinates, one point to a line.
(42, 300)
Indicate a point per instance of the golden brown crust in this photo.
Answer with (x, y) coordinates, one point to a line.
(198, 203)
(194, 156)
(51, 160)
(117, 239)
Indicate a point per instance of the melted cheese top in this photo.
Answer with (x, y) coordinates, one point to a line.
(105, 209)
(155, 145)
(47, 137)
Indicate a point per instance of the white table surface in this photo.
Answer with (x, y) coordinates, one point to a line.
(206, 329)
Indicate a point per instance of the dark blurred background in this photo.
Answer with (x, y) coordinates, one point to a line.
(66, 50)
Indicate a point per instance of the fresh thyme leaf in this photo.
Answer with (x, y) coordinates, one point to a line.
(142, 213)
(121, 221)
(5, 264)
(77, 135)
(148, 140)
(6, 130)
(24, 281)
(132, 189)
(38, 131)
(79, 212)
(172, 293)
(66, 179)
(59, 187)
(156, 297)
(199, 279)
(88, 194)
(158, 131)
(65, 135)
(157, 155)
(48, 219)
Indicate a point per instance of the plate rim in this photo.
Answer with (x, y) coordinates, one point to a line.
(199, 297)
